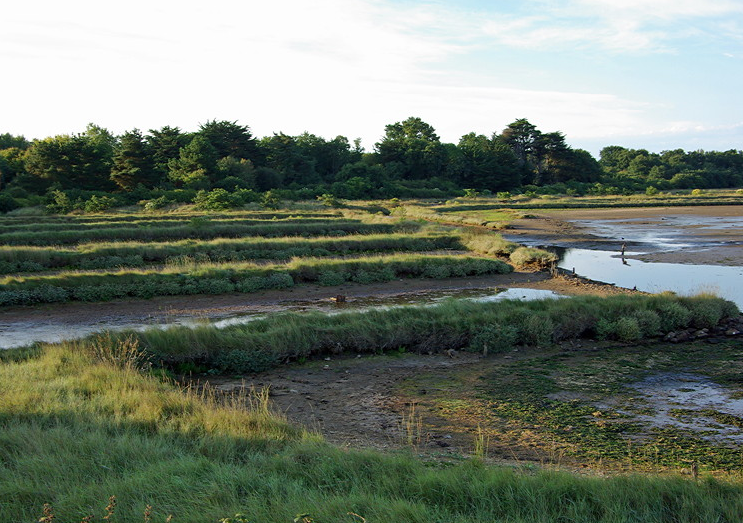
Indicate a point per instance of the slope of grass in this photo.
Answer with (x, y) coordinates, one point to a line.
(80, 423)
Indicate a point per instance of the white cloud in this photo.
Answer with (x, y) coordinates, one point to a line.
(328, 66)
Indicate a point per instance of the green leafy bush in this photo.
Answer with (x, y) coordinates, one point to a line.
(98, 204)
(494, 338)
(525, 256)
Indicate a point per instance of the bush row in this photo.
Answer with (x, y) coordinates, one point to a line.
(202, 231)
(158, 222)
(457, 324)
(220, 280)
(107, 256)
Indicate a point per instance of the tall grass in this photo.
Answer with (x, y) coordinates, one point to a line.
(149, 221)
(76, 428)
(456, 324)
(209, 278)
(134, 254)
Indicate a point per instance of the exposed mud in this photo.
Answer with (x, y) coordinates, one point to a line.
(57, 322)
(689, 235)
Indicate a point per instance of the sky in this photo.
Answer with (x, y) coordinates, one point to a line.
(653, 74)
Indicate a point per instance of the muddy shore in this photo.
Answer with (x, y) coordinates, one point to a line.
(717, 241)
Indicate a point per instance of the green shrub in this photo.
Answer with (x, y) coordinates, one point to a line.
(330, 278)
(494, 338)
(673, 316)
(215, 200)
(98, 204)
(604, 329)
(627, 329)
(279, 280)
(526, 256)
(704, 314)
(60, 203)
(649, 322)
(156, 203)
(436, 271)
(537, 329)
(8, 203)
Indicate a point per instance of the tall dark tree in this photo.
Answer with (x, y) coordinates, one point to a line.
(231, 139)
(548, 151)
(521, 136)
(133, 162)
(196, 165)
(7, 141)
(479, 162)
(329, 156)
(294, 163)
(615, 158)
(12, 163)
(414, 145)
(81, 161)
(166, 144)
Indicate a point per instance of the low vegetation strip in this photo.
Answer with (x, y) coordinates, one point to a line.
(202, 458)
(458, 324)
(220, 279)
(154, 222)
(588, 202)
(137, 254)
(202, 230)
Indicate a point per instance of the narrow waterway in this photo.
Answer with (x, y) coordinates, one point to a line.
(51, 330)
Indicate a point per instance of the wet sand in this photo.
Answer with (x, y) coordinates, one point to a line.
(711, 235)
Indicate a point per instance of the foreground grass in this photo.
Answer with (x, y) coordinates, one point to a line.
(80, 423)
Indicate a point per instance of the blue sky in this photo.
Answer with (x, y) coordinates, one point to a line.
(658, 74)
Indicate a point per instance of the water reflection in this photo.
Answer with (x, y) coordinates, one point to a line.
(683, 279)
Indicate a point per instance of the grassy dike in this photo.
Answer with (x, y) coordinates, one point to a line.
(200, 230)
(196, 278)
(80, 422)
(100, 255)
(456, 324)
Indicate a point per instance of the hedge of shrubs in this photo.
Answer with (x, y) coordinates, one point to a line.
(238, 278)
(456, 324)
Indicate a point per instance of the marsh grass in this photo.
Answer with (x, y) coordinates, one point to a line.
(77, 426)
(455, 324)
(203, 230)
(108, 255)
(192, 277)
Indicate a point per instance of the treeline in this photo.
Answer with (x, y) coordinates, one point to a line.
(222, 165)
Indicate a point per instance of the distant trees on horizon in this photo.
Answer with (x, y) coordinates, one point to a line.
(409, 160)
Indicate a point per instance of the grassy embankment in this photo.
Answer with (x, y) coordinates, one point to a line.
(524, 203)
(202, 255)
(82, 421)
(456, 324)
(595, 407)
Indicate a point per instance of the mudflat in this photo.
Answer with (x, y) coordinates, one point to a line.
(712, 235)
